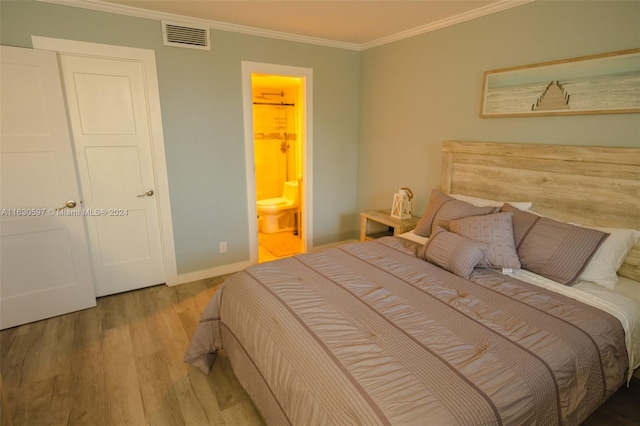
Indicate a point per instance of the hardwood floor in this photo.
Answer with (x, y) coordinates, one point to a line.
(120, 363)
(622, 409)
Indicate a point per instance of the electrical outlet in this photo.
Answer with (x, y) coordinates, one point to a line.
(223, 247)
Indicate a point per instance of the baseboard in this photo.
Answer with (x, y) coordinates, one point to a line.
(233, 267)
(209, 273)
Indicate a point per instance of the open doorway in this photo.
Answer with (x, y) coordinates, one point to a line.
(277, 149)
(278, 155)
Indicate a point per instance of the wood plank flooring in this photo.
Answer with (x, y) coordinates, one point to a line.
(120, 363)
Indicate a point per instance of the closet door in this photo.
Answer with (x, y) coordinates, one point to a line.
(108, 107)
(44, 257)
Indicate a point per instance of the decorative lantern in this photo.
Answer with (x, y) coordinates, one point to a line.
(401, 207)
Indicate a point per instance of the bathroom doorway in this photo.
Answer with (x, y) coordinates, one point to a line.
(278, 164)
(277, 124)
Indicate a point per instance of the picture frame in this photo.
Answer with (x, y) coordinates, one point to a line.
(607, 83)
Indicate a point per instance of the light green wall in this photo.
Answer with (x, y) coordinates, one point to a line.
(201, 97)
(380, 116)
(421, 91)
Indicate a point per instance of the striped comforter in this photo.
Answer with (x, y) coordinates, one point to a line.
(369, 334)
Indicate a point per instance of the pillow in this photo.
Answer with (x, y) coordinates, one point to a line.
(604, 265)
(496, 231)
(442, 209)
(452, 252)
(555, 250)
(483, 202)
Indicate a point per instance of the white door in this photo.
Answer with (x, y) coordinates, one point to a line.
(44, 258)
(109, 115)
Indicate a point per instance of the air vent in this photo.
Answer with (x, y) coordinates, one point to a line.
(189, 36)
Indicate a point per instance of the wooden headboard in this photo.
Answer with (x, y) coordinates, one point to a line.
(579, 184)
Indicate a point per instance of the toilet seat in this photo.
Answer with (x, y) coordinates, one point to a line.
(272, 202)
(273, 205)
(272, 210)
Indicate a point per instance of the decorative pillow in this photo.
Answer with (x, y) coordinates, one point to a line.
(442, 209)
(495, 230)
(521, 222)
(484, 202)
(555, 250)
(452, 252)
(604, 265)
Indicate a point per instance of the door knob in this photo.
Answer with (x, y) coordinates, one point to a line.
(147, 193)
(68, 205)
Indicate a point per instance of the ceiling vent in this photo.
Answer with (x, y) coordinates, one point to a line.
(189, 36)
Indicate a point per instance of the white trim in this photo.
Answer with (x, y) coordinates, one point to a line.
(499, 6)
(148, 60)
(306, 74)
(120, 9)
(210, 273)
(216, 25)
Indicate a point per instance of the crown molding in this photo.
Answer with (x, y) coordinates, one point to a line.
(101, 6)
(443, 23)
(119, 9)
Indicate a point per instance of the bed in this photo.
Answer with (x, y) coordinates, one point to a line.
(437, 327)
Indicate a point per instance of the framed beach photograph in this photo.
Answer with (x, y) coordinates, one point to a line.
(600, 84)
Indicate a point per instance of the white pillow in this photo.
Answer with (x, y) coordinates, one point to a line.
(603, 267)
(483, 202)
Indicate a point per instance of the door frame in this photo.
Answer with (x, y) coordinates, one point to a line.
(148, 60)
(306, 99)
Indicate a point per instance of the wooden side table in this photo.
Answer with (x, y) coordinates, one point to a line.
(379, 223)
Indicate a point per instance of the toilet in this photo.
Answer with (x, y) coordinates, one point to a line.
(277, 214)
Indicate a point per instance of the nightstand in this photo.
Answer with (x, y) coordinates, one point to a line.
(379, 223)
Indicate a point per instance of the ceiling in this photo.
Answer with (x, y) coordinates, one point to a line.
(357, 25)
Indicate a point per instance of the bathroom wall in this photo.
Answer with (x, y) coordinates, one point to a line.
(274, 131)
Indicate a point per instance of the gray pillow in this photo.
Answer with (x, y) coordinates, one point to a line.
(452, 252)
(495, 230)
(555, 250)
(442, 209)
